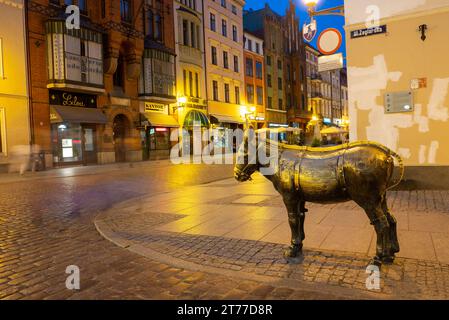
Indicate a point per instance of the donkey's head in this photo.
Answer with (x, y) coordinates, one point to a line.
(246, 162)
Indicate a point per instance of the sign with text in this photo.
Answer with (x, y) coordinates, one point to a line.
(155, 107)
(72, 99)
(332, 62)
(368, 32)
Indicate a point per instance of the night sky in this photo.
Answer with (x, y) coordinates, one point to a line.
(323, 22)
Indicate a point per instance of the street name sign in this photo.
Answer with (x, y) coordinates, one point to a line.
(331, 62)
(368, 32)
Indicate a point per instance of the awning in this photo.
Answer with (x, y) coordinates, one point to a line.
(333, 130)
(195, 118)
(60, 114)
(226, 119)
(161, 120)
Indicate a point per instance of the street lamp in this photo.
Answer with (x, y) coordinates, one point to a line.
(335, 11)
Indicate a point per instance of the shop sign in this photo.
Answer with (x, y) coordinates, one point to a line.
(155, 107)
(368, 32)
(72, 99)
(327, 120)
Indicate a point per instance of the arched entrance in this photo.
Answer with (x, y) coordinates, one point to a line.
(120, 130)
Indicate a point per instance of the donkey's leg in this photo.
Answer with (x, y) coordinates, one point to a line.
(393, 227)
(294, 221)
(382, 227)
(302, 217)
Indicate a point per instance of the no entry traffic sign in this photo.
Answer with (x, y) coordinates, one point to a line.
(329, 41)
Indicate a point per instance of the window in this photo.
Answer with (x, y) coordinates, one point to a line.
(270, 102)
(158, 74)
(215, 90)
(223, 3)
(279, 83)
(157, 27)
(227, 95)
(225, 60)
(192, 35)
(2, 131)
(197, 85)
(185, 32)
(250, 94)
(280, 104)
(259, 95)
(119, 75)
(236, 64)
(234, 9)
(237, 95)
(234, 34)
(213, 25)
(259, 70)
(191, 83)
(269, 81)
(82, 4)
(2, 72)
(279, 64)
(184, 74)
(214, 55)
(250, 45)
(150, 25)
(268, 60)
(249, 67)
(125, 11)
(224, 28)
(257, 47)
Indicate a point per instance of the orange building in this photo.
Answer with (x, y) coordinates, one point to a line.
(254, 80)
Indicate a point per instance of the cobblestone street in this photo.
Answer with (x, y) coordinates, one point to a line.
(47, 224)
(150, 212)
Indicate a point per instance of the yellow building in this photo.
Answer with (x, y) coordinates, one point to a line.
(224, 61)
(398, 81)
(14, 103)
(191, 106)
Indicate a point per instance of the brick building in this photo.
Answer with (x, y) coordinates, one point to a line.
(86, 101)
(299, 114)
(269, 26)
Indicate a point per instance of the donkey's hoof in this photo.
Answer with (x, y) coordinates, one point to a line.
(293, 252)
(388, 259)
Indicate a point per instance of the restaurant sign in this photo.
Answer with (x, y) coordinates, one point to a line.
(72, 99)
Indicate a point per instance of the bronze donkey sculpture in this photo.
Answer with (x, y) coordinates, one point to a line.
(360, 171)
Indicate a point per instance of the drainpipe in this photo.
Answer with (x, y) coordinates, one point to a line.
(28, 64)
(205, 58)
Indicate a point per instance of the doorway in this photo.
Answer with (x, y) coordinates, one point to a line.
(89, 144)
(120, 131)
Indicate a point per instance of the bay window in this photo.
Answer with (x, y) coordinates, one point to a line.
(158, 75)
(75, 57)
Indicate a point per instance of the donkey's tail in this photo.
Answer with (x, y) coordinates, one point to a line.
(401, 168)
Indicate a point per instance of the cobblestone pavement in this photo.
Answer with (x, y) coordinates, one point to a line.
(46, 224)
(136, 226)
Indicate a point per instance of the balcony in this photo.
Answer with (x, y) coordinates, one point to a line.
(317, 96)
(190, 55)
(316, 77)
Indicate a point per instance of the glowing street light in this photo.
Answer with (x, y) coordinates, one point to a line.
(182, 100)
(335, 11)
(311, 3)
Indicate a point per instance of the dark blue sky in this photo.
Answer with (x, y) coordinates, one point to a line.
(323, 22)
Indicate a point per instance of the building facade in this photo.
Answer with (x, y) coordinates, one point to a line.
(269, 26)
(254, 79)
(223, 34)
(398, 99)
(191, 107)
(157, 81)
(85, 104)
(295, 71)
(14, 93)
